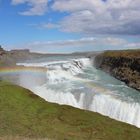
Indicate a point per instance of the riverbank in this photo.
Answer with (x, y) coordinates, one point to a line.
(123, 65)
(24, 114)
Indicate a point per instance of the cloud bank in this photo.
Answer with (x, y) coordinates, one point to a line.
(83, 44)
(89, 16)
(100, 16)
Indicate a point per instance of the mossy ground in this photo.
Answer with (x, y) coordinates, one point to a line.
(24, 115)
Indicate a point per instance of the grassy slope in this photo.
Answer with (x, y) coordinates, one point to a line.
(25, 114)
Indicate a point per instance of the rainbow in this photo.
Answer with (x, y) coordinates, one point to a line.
(18, 69)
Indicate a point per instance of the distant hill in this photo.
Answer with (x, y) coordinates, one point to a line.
(10, 58)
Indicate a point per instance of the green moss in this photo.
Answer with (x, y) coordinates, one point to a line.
(23, 114)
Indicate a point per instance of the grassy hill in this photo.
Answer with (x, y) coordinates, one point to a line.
(24, 115)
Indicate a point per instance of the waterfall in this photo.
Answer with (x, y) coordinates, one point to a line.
(77, 83)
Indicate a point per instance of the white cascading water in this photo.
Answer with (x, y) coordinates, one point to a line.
(77, 83)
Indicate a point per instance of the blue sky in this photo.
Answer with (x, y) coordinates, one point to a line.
(69, 25)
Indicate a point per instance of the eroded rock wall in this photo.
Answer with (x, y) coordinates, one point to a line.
(123, 67)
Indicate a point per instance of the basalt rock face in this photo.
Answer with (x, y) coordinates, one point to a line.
(123, 65)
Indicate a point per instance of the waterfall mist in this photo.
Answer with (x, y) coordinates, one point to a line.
(77, 83)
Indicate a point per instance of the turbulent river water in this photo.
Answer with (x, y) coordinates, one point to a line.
(76, 82)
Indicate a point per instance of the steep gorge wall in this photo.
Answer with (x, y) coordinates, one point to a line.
(123, 65)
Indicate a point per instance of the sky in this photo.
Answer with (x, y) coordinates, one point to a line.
(65, 26)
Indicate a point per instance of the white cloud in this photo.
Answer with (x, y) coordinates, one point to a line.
(100, 17)
(85, 44)
(47, 25)
(89, 16)
(81, 42)
(75, 45)
(133, 45)
(37, 7)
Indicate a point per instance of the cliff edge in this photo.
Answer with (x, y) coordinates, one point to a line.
(123, 65)
(25, 116)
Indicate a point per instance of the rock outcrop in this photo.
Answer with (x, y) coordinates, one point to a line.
(123, 65)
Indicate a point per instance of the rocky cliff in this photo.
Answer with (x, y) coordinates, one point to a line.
(123, 65)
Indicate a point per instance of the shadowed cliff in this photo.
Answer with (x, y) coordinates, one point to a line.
(123, 65)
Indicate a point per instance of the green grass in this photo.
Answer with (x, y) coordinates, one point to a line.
(25, 115)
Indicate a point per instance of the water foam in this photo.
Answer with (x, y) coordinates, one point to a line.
(117, 109)
(65, 85)
(101, 103)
